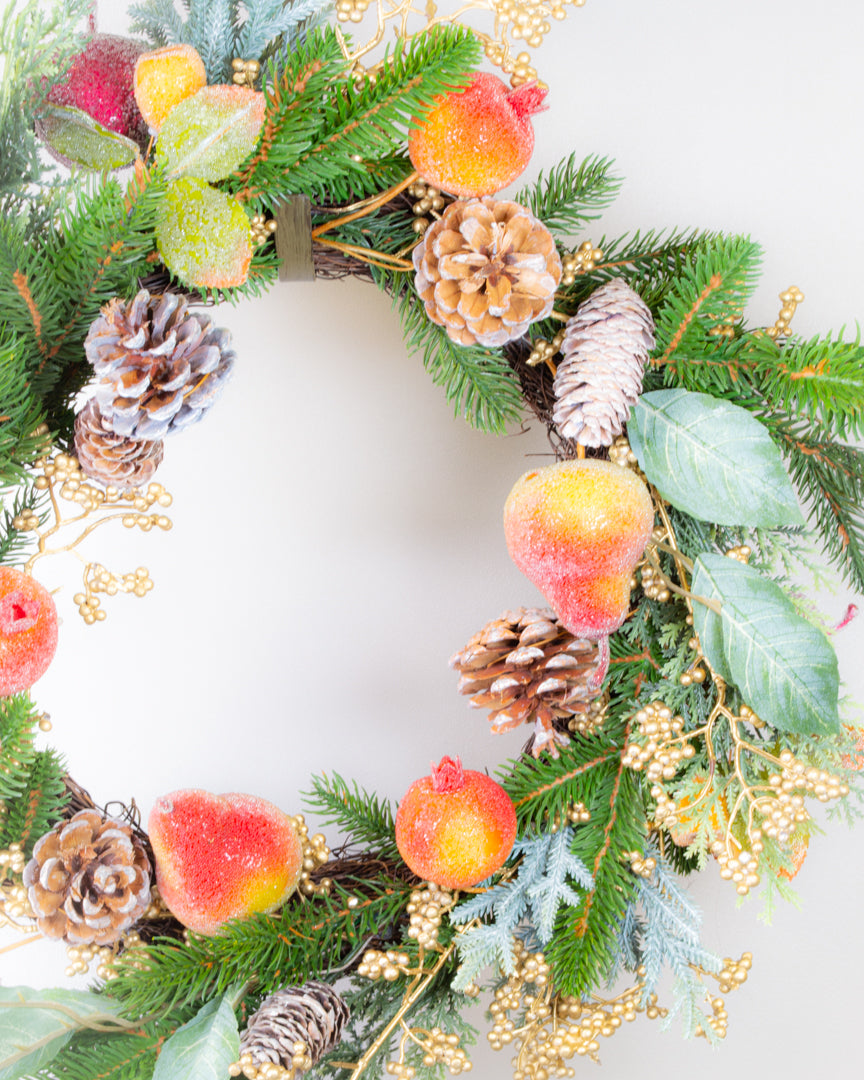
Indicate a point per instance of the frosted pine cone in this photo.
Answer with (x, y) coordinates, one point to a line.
(486, 270)
(605, 348)
(312, 1014)
(88, 880)
(159, 366)
(525, 666)
(109, 458)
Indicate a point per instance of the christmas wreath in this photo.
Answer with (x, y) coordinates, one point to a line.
(680, 697)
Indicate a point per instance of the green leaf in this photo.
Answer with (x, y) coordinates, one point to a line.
(78, 139)
(204, 1048)
(35, 1025)
(712, 459)
(783, 665)
(208, 134)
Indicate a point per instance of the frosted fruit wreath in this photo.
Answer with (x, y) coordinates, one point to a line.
(683, 712)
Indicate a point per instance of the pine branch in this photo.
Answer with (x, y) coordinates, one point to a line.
(362, 818)
(305, 939)
(572, 194)
(272, 24)
(478, 382)
(362, 125)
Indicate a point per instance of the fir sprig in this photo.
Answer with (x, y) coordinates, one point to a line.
(572, 194)
(361, 818)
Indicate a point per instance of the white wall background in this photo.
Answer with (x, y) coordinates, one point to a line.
(338, 533)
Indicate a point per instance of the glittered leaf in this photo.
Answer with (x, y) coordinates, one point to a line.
(783, 665)
(712, 459)
(35, 1025)
(77, 139)
(203, 235)
(204, 1048)
(208, 134)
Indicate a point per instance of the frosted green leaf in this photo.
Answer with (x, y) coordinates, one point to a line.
(35, 1025)
(784, 666)
(203, 1048)
(203, 235)
(712, 459)
(75, 138)
(208, 134)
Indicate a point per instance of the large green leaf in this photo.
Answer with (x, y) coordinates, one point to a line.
(203, 1048)
(35, 1025)
(783, 665)
(208, 134)
(78, 139)
(712, 459)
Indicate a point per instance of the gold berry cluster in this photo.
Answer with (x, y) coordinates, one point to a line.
(576, 814)
(790, 299)
(428, 200)
(542, 351)
(262, 228)
(315, 854)
(97, 579)
(351, 10)
(588, 716)
(640, 865)
(530, 972)
(425, 909)
(245, 72)
(15, 910)
(581, 261)
(732, 975)
(438, 1048)
(621, 454)
(389, 965)
(301, 1062)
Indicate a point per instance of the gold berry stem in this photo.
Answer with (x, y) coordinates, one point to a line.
(671, 550)
(411, 997)
(366, 207)
(19, 944)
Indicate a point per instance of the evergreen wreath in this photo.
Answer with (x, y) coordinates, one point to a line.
(683, 703)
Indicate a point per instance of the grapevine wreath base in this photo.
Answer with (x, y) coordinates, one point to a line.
(678, 698)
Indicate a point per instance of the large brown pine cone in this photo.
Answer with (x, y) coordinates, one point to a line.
(112, 459)
(159, 367)
(605, 348)
(486, 270)
(312, 1014)
(88, 880)
(525, 666)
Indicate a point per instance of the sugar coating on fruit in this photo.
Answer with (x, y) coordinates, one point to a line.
(163, 78)
(455, 827)
(577, 529)
(28, 631)
(203, 235)
(475, 142)
(220, 857)
(99, 82)
(209, 133)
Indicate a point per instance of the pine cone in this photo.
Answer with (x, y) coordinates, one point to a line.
(312, 1014)
(524, 665)
(605, 348)
(159, 366)
(88, 880)
(486, 270)
(112, 459)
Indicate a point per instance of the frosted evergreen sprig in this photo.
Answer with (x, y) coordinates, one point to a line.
(533, 897)
(221, 30)
(661, 929)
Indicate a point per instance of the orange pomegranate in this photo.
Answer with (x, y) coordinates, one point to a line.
(455, 827)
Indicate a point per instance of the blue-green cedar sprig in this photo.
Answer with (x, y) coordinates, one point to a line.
(543, 883)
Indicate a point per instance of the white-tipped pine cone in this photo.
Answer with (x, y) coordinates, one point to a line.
(112, 459)
(159, 367)
(486, 270)
(88, 880)
(312, 1014)
(605, 348)
(525, 667)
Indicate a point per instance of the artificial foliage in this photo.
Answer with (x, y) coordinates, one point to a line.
(702, 748)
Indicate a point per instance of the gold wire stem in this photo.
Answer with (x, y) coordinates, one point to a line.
(368, 255)
(414, 992)
(366, 207)
(19, 944)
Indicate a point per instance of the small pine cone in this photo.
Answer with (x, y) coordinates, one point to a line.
(486, 270)
(313, 1014)
(605, 349)
(525, 666)
(159, 366)
(109, 458)
(88, 880)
